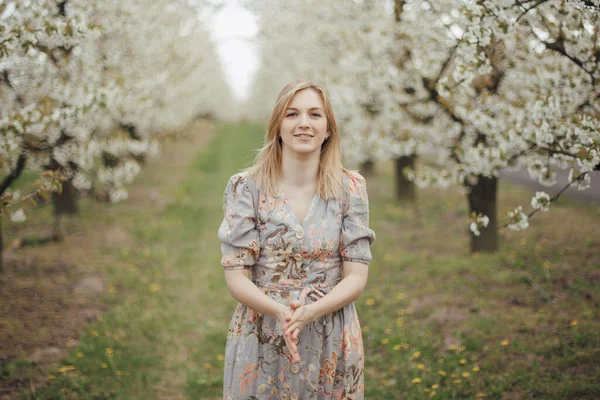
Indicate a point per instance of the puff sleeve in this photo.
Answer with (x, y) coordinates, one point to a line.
(356, 236)
(240, 243)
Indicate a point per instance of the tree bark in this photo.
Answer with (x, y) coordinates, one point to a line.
(483, 199)
(65, 203)
(1, 248)
(367, 168)
(405, 189)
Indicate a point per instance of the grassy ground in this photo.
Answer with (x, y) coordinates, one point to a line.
(437, 321)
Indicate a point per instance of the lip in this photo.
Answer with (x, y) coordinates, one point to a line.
(307, 134)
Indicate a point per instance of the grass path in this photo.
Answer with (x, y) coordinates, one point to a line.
(437, 321)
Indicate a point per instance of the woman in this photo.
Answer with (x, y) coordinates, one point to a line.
(299, 222)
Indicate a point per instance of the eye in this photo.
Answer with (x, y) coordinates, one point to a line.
(316, 114)
(291, 114)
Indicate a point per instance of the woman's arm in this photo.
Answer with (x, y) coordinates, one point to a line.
(246, 292)
(349, 289)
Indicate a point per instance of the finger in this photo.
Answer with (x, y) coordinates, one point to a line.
(296, 334)
(293, 349)
(295, 318)
(293, 327)
(294, 304)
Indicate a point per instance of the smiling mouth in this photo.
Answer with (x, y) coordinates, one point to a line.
(304, 135)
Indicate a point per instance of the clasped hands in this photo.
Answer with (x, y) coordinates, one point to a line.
(293, 319)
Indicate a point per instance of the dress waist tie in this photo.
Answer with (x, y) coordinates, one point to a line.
(314, 291)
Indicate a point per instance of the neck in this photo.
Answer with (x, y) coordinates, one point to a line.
(299, 170)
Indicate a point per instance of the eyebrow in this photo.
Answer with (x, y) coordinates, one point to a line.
(312, 108)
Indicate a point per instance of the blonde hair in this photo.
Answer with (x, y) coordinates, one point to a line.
(266, 169)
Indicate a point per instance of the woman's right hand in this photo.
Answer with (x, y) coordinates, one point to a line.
(284, 315)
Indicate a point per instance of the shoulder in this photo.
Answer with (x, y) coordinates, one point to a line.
(241, 184)
(354, 182)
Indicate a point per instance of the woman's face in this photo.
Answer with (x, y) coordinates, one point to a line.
(304, 126)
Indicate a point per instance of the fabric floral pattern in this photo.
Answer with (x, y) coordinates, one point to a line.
(294, 260)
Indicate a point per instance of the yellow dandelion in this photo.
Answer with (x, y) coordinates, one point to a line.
(416, 380)
(463, 361)
(370, 301)
(119, 373)
(432, 394)
(416, 355)
(51, 377)
(220, 357)
(365, 328)
(109, 352)
(574, 322)
(465, 374)
(463, 348)
(388, 331)
(452, 347)
(504, 342)
(435, 386)
(480, 394)
(206, 366)
(400, 296)
(421, 366)
(442, 372)
(475, 369)
(400, 322)
(66, 368)
(441, 361)
(385, 341)
(385, 383)
(457, 381)
(154, 287)
(104, 365)
(79, 354)
(397, 347)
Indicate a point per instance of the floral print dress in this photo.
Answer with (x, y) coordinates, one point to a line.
(293, 260)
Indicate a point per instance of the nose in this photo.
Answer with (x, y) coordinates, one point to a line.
(303, 121)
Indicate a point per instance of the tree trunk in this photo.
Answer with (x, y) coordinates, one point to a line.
(483, 199)
(1, 246)
(65, 203)
(405, 189)
(367, 168)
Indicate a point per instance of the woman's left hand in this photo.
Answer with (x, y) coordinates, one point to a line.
(302, 315)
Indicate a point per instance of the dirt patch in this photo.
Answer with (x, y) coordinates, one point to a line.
(50, 292)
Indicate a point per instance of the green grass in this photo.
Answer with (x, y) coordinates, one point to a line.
(431, 310)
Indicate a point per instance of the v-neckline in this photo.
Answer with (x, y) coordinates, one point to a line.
(309, 211)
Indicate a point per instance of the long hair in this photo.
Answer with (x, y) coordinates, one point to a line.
(266, 169)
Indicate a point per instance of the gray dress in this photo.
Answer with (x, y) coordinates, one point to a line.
(292, 260)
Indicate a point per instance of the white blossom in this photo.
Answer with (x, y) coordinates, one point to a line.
(540, 201)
